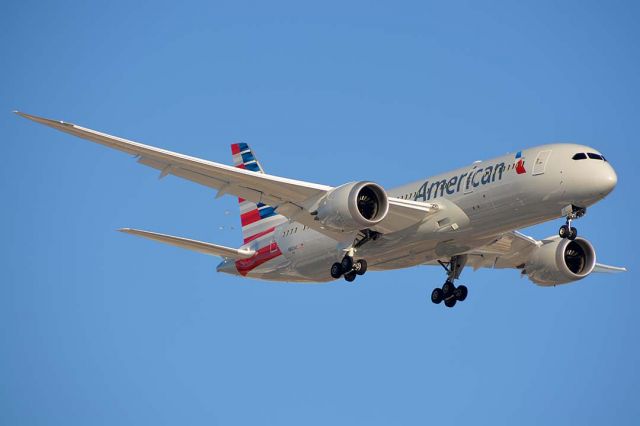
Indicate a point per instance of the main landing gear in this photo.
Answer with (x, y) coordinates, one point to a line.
(348, 268)
(571, 213)
(449, 293)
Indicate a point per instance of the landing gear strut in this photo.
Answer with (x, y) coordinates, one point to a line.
(571, 213)
(449, 293)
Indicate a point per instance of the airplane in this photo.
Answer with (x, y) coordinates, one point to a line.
(296, 231)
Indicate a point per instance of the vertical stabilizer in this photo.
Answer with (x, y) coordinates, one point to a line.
(257, 220)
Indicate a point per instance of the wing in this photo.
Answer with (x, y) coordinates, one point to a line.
(511, 250)
(290, 197)
(199, 246)
(608, 269)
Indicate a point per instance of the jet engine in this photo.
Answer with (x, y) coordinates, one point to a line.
(353, 206)
(560, 261)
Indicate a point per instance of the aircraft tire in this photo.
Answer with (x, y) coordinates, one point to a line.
(437, 296)
(336, 270)
(347, 263)
(564, 231)
(349, 277)
(361, 267)
(448, 288)
(461, 293)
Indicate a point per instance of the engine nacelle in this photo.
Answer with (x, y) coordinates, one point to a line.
(561, 261)
(353, 206)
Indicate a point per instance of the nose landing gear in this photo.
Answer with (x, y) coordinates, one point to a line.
(571, 212)
(449, 293)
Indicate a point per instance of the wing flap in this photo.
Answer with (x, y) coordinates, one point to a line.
(193, 245)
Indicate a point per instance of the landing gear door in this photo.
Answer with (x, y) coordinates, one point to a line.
(541, 162)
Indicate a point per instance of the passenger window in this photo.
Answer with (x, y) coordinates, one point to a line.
(594, 156)
(580, 156)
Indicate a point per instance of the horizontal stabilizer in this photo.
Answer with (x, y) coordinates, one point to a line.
(199, 246)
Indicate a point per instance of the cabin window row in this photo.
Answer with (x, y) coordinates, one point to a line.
(292, 231)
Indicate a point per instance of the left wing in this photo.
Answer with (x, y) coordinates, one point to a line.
(608, 269)
(511, 250)
(290, 197)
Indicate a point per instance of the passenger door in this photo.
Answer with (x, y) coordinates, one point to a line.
(541, 162)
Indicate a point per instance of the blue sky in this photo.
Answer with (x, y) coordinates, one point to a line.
(102, 328)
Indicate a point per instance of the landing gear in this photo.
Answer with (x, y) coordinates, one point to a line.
(568, 232)
(449, 293)
(571, 213)
(348, 268)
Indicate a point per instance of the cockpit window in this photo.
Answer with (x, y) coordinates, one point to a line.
(580, 156)
(595, 156)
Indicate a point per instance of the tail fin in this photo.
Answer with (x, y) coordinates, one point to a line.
(258, 220)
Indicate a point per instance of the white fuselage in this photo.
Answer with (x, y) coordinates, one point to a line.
(494, 196)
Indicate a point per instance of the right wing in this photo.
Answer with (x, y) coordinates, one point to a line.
(291, 198)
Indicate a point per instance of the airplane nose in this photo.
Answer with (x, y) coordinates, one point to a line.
(607, 180)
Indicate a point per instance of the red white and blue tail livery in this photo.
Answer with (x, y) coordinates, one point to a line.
(258, 220)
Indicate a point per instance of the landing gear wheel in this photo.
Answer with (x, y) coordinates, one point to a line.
(573, 233)
(437, 296)
(448, 288)
(347, 263)
(461, 293)
(336, 270)
(360, 267)
(450, 303)
(564, 231)
(350, 276)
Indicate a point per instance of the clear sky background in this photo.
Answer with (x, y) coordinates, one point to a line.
(98, 327)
